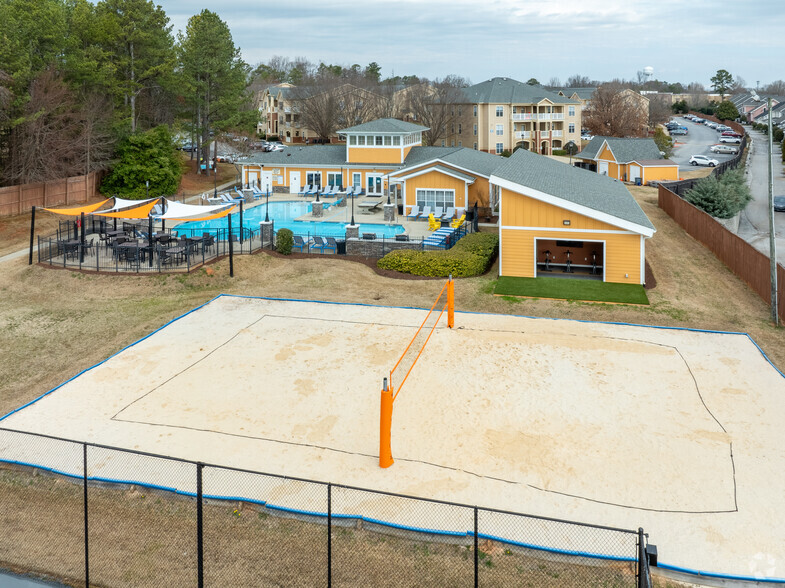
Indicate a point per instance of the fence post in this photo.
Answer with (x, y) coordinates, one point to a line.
(199, 533)
(32, 232)
(86, 536)
(329, 535)
(231, 249)
(476, 553)
(641, 564)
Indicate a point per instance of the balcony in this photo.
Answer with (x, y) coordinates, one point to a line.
(522, 134)
(545, 134)
(556, 133)
(548, 116)
(519, 116)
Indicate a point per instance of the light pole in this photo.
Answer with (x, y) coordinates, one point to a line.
(267, 208)
(215, 179)
(772, 239)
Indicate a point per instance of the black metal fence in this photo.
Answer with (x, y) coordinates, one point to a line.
(92, 514)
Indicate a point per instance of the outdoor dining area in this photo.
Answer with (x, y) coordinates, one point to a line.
(131, 236)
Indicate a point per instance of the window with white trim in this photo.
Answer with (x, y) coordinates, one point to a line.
(379, 140)
(442, 142)
(499, 148)
(460, 128)
(500, 111)
(475, 110)
(460, 143)
(475, 146)
(313, 177)
(499, 129)
(335, 179)
(353, 140)
(357, 180)
(387, 140)
(396, 141)
(571, 110)
(361, 140)
(571, 128)
(434, 198)
(475, 130)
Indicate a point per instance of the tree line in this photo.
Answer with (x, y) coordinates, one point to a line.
(78, 81)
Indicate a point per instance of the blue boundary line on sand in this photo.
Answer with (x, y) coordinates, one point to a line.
(689, 571)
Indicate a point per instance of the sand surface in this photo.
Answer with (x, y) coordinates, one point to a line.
(675, 431)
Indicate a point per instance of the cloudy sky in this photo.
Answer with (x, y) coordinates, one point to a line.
(602, 39)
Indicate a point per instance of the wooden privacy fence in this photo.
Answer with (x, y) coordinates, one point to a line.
(743, 259)
(63, 191)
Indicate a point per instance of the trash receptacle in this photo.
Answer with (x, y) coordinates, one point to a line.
(340, 247)
(637, 181)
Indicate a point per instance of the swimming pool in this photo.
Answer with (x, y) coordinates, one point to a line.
(284, 214)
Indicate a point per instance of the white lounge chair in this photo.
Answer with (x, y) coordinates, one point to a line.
(426, 212)
(414, 212)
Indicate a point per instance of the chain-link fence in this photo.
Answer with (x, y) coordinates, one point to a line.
(91, 514)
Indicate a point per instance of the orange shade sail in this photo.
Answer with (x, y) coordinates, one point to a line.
(77, 211)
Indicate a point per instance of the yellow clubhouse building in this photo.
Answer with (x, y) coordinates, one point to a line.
(543, 205)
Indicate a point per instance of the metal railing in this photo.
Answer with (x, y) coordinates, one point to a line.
(130, 518)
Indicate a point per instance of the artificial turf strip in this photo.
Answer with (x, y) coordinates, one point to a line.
(566, 289)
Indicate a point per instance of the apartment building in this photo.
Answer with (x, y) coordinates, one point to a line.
(506, 114)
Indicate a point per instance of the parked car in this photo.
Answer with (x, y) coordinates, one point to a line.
(274, 147)
(722, 148)
(779, 203)
(698, 120)
(724, 128)
(224, 159)
(725, 139)
(679, 131)
(703, 160)
(587, 137)
(731, 134)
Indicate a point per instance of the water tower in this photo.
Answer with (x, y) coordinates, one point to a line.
(648, 71)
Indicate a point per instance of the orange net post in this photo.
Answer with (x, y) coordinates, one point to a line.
(450, 302)
(385, 427)
(388, 397)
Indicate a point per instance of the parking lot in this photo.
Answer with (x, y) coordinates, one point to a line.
(697, 141)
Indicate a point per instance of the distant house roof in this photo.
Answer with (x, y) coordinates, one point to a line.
(509, 91)
(583, 93)
(385, 125)
(580, 187)
(624, 150)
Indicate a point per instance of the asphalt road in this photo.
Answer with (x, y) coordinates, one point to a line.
(697, 142)
(754, 221)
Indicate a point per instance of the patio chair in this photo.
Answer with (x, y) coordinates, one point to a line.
(433, 223)
(449, 214)
(458, 222)
(318, 243)
(298, 243)
(425, 212)
(314, 189)
(414, 212)
(208, 241)
(438, 213)
(329, 243)
(304, 190)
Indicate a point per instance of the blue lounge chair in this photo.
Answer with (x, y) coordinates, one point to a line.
(314, 189)
(425, 212)
(298, 243)
(330, 243)
(304, 190)
(438, 213)
(414, 212)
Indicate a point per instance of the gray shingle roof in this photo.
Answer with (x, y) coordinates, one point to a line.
(509, 91)
(385, 125)
(306, 155)
(478, 162)
(624, 150)
(583, 93)
(572, 184)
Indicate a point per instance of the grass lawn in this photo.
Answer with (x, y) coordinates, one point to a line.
(566, 289)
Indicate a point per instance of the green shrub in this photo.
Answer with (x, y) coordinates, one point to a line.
(284, 241)
(560, 152)
(721, 197)
(471, 256)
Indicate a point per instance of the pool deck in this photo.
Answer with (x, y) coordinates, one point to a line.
(343, 214)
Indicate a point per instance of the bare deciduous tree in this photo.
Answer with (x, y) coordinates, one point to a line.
(614, 113)
(329, 104)
(440, 106)
(44, 141)
(659, 109)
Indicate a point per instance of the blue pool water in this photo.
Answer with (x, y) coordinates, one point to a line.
(284, 215)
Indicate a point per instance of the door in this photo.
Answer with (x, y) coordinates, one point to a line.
(374, 182)
(267, 181)
(635, 172)
(294, 182)
(602, 168)
(253, 177)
